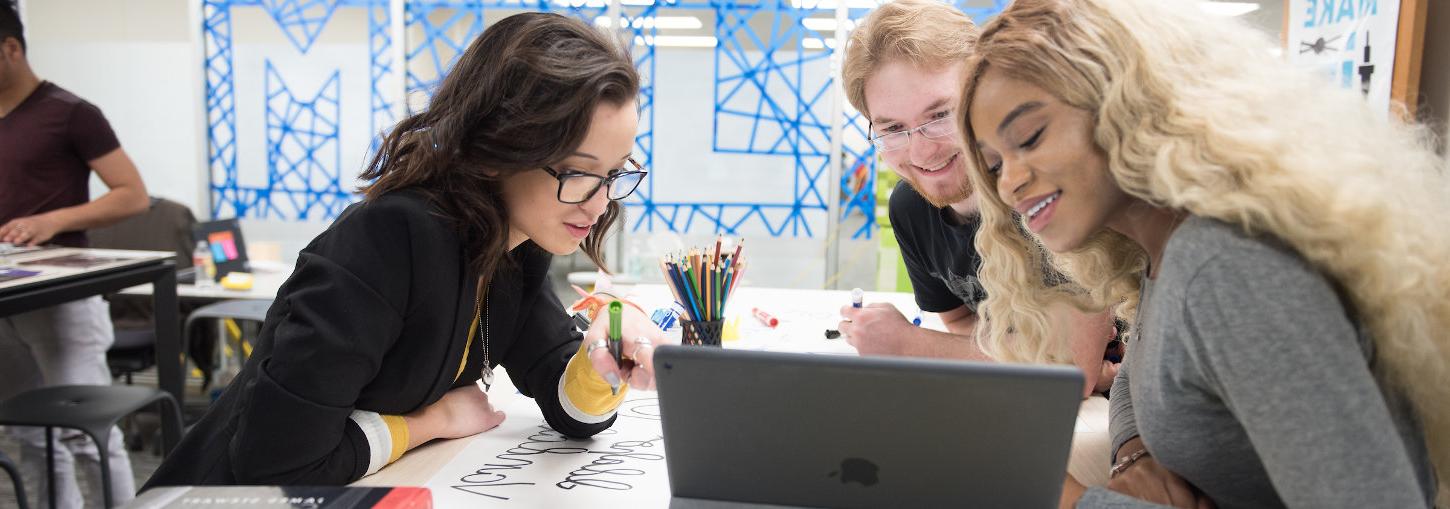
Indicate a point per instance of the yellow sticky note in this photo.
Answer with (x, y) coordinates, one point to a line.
(731, 330)
(237, 281)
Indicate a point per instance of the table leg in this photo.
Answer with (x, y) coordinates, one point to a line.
(168, 348)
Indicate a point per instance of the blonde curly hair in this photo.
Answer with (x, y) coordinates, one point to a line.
(1194, 114)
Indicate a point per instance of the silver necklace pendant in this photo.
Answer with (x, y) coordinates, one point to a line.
(486, 379)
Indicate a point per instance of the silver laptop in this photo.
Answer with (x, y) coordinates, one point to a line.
(752, 429)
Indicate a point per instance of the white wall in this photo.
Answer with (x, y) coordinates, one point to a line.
(136, 60)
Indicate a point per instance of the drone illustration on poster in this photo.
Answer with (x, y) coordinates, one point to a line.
(1318, 46)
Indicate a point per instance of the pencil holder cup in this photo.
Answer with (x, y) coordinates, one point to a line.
(702, 333)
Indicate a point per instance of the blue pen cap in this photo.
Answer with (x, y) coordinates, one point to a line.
(665, 318)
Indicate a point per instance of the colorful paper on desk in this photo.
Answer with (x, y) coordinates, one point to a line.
(525, 463)
(77, 260)
(223, 246)
(13, 274)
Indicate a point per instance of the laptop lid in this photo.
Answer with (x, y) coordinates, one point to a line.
(844, 431)
(224, 238)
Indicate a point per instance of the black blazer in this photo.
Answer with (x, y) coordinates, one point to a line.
(375, 317)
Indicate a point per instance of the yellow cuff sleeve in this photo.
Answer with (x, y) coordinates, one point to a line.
(584, 393)
(398, 430)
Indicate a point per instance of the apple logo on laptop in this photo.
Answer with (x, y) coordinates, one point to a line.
(857, 470)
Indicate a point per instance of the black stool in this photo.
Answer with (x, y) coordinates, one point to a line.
(93, 409)
(9, 467)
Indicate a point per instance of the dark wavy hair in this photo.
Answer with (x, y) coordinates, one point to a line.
(522, 96)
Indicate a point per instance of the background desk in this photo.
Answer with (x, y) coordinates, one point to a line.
(264, 286)
(489, 467)
(56, 285)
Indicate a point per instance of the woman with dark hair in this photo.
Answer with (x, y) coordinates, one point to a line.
(396, 316)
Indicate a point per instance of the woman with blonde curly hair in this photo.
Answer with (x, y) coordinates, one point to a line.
(1280, 248)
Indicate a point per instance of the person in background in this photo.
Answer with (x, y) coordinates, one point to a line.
(388, 331)
(1287, 285)
(903, 71)
(50, 143)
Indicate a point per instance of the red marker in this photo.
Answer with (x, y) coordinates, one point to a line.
(764, 317)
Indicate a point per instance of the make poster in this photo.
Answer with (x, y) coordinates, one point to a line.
(1352, 42)
(525, 463)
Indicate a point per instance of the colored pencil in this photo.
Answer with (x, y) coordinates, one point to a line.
(703, 279)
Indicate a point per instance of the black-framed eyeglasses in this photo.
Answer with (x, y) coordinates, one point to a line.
(578, 187)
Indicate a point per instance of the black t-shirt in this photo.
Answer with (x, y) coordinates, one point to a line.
(939, 254)
(46, 145)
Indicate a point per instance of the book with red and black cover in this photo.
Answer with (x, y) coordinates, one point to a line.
(288, 497)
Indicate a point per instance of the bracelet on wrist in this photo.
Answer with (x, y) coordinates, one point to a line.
(1126, 462)
(595, 302)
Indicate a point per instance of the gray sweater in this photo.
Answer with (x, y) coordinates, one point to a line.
(1251, 380)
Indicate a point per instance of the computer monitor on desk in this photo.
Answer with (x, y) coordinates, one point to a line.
(753, 429)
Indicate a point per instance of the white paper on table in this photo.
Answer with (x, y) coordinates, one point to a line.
(1092, 416)
(525, 463)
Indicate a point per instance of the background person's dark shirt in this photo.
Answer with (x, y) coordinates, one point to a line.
(46, 144)
(940, 257)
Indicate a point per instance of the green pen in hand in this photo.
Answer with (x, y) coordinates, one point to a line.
(616, 342)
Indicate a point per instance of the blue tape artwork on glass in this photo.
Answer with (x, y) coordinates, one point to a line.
(301, 20)
(771, 96)
(303, 155)
(305, 178)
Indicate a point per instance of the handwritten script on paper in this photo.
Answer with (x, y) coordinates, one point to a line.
(526, 463)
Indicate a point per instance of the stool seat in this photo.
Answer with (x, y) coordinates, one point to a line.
(134, 338)
(93, 409)
(246, 309)
(84, 407)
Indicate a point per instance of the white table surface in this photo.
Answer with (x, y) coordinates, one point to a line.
(34, 261)
(266, 279)
(489, 468)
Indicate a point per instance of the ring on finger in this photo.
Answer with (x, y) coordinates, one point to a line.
(595, 346)
(643, 342)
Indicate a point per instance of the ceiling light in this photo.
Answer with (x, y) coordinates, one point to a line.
(831, 4)
(814, 43)
(660, 22)
(677, 41)
(825, 24)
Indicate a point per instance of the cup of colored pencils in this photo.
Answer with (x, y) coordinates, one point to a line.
(702, 281)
